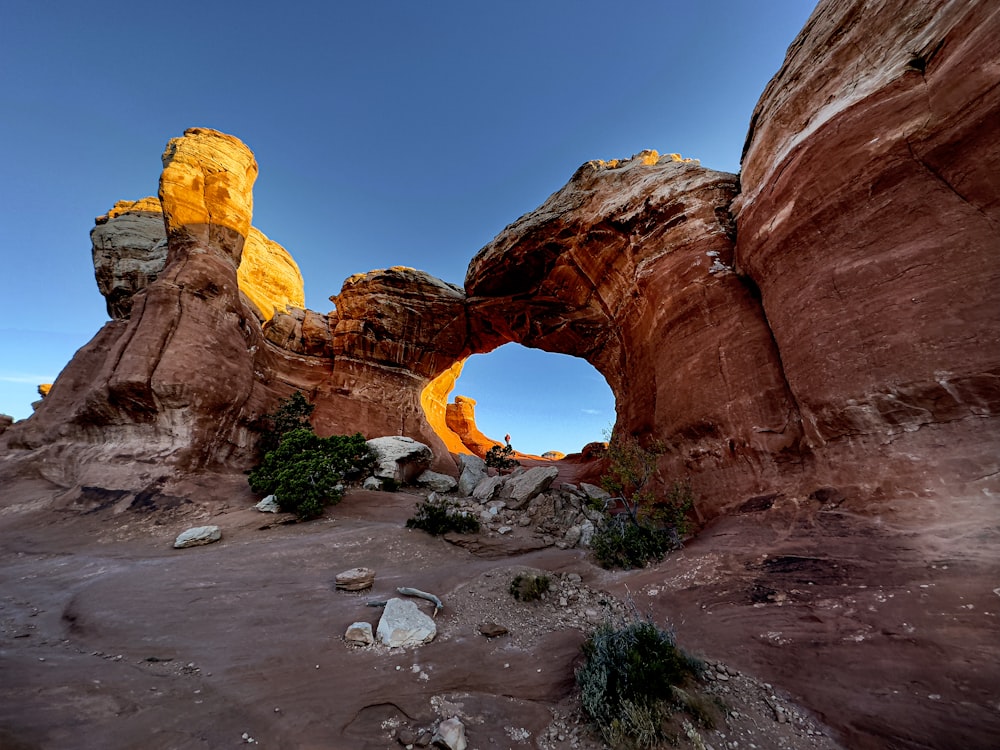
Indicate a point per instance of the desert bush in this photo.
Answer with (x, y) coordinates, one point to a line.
(306, 472)
(440, 516)
(292, 414)
(624, 543)
(629, 683)
(501, 457)
(527, 587)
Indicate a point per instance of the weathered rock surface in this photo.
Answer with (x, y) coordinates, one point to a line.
(436, 481)
(360, 634)
(268, 505)
(868, 220)
(523, 485)
(460, 418)
(197, 536)
(450, 734)
(355, 579)
(130, 250)
(471, 471)
(402, 624)
(400, 458)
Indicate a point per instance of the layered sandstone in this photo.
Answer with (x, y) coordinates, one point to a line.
(130, 250)
(869, 218)
(629, 266)
(460, 418)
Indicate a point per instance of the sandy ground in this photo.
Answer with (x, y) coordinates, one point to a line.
(824, 628)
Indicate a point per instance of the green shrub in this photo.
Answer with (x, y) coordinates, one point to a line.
(306, 472)
(501, 457)
(528, 588)
(440, 516)
(624, 543)
(292, 414)
(389, 484)
(629, 683)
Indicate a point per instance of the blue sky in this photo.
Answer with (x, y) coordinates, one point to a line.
(387, 133)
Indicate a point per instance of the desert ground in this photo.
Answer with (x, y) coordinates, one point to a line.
(821, 627)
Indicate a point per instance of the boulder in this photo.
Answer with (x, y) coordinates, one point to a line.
(487, 488)
(372, 484)
(360, 634)
(400, 458)
(197, 536)
(472, 470)
(355, 579)
(523, 486)
(436, 481)
(403, 624)
(5, 421)
(593, 492)
(268, 505)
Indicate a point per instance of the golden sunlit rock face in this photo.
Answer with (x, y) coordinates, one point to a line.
(206, 187)
(269, 276)
(130, 250)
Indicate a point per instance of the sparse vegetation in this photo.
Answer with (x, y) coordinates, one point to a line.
(527, 587)
(501, 457)
(306, 472)
(440, 516)
(633, 680)
(293, 413)
(650, 527)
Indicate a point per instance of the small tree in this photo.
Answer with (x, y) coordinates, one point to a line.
(306, 472)
(292, 414)
(651, 528)
(501, 458)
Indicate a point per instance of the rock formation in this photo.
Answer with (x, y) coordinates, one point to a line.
(827, 318)
(130, 250)
(868, 219)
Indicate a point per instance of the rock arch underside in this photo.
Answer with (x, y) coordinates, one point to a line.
(819, 334)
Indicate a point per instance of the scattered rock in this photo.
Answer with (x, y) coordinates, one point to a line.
(492, 629)
(400, 458)
(487, 488)
(521, 488)
(268, 505)
(197, 536)
(360, 634)
(451, 734)
(403, 624)
(437, 482)
(593, 492)
(373, 484)
(472, 470)
(356, 579)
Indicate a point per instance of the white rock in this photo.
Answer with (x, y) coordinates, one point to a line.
(399, 458)
(586, 533)
(197, 536)
(572, 535)
(268, 505)
(437, 482)
(360, 633)
(403, 624)
(372, 483)
(487, 488)
(472, 470)
(520, 489)
(451, 734)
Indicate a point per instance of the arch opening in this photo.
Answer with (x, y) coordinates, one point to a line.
(548, 403)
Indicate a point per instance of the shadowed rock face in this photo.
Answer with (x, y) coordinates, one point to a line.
(869, 218)
(829, 318)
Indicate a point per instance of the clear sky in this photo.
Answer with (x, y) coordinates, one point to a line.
(387, 133)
